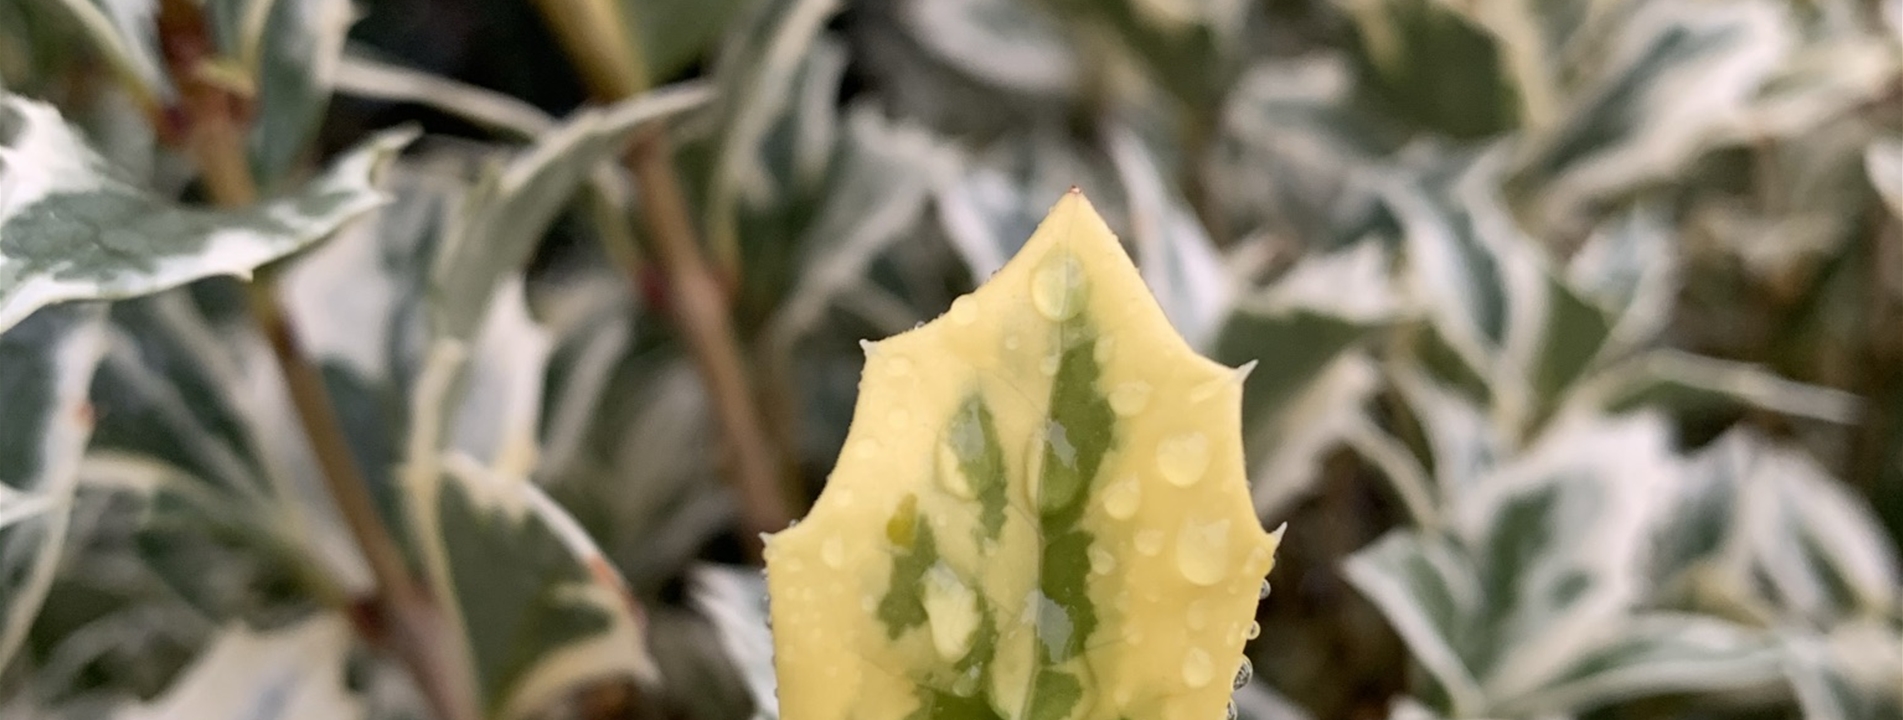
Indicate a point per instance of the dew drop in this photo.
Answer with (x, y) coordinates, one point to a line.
(1183, 458)
(1011, 341)
(1243, 673)
(951, 609)
(1198, 670)
(1104, 350)
(1202, 551)
(1101, 561)
(1262, 594)
(1130, 398)
(964, 310)
(1150, 542)
(833, 552)
(967, 683)
(951, 473)
(1120, 499)
(1230, 712)
(1255, 631)
(1049, 364)
(1057, 287)
(867, 603)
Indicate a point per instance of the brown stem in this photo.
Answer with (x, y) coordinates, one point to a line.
(212, 124)
(698, 304)
(698, 301)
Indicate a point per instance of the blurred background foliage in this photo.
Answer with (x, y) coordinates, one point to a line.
(1580, 330)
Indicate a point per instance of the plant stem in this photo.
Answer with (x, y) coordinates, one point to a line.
(700, 309)
(698, 302)
(213, 132)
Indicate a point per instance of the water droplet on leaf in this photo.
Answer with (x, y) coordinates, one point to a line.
(1101, 561)
(964, 310)
(1057, 287)
(1130, 398)
(1150, 542)
(1202, 551)
(1183, 458)
(951, 609)
(1198, 670)
(1120, 499)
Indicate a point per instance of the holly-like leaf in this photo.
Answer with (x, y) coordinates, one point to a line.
(294, 673)
(1040, 512)
(46, 365)
(70, 229)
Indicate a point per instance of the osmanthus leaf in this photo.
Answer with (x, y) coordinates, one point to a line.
(46, 366)
(291, 673)
(1676, 78)
(1428, 65)
(1180, 262)
(1884, 161)
(502, 217)
(756, 75)
(1687, 383)
(1526, 604)
(126, 40)
(290, 50)
(71, 230)
(1192, 49)
(1781, 537)
(1849, 673)
(734, 601)
(1296, 150)
(1493, 299)
(1430, 594)
(1039, 514)
(1309, 385)
(1012, 45)
(1655, 653)
(539, 607)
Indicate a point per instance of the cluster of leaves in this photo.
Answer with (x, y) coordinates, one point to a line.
(1570, 320)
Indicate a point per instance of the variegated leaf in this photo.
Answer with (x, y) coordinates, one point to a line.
(46, 367)
(1309, 384)
(1529, 606)
(540, 609)
(1884, 161)
(1850, 673)
(1013, 45)
(1040, 512)
(1676, 79)
(71, 230)
(292, 673)
(756, 81)
(735, 601)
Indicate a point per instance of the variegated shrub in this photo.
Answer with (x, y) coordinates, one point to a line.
(1040, 512)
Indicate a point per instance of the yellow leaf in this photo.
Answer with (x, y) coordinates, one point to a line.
(1040, 512)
